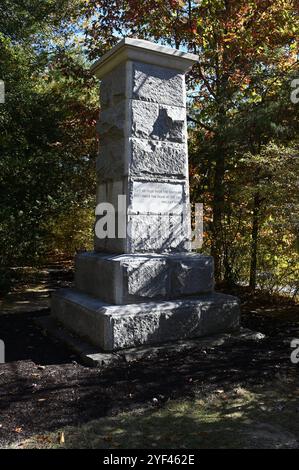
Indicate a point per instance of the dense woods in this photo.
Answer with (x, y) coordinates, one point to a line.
(243, 126)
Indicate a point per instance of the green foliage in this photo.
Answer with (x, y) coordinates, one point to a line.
(240, 107)
(22, 19)
(47, 141)
(72, 231)
(243, 139)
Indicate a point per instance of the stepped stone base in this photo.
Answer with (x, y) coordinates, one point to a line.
(133, 278)
(93, 356)
(114, 327)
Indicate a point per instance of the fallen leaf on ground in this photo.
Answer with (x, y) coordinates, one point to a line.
(43, 438)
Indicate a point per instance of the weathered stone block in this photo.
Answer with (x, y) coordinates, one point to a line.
(110, 244)
(96, 274)
(154, 323)
(78, 312)
(111, 162)
(158, 233)
(146, 278)
(124, 279)
(113, 86)
(113, 123)
(149, 157)
(190, 277)
(154, 219)
(114, 189)
(151, 121)
(113, 327)
(158, 84)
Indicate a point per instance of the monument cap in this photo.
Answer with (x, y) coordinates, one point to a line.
(143, 51)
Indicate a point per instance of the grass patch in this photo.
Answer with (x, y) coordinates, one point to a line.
(243, 418)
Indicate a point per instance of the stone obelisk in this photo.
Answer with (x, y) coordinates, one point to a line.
(142, 284)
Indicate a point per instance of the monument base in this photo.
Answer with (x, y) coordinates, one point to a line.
(94, 356)
(115, 327)
(133, 278)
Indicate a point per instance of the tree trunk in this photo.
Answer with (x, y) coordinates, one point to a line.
(254, 241)
(218, 206)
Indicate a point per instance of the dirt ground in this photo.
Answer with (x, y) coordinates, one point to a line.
(240, 395)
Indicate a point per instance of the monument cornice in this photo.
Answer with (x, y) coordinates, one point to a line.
(143, 51)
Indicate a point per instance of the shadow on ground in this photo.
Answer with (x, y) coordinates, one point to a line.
(258, 417)
(43, 388)
(168, 401)
(31, 287)
(24, 341)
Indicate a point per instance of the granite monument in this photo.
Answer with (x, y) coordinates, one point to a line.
(142, 284)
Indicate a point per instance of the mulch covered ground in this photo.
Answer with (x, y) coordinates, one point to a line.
(43, 387)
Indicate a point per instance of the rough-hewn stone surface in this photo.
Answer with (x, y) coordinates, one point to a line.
(113, 87)
(171, 321)
(189, 274)
(110, 192)
(112, 245)
(158, 84)
(113, 327)
(113, 123)
(158, 122)
(111, 162)
(124, 279)
(99, 276)
(146, 278)
(157, 233)
(114, 189)
(78, 312)
(150, 157)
